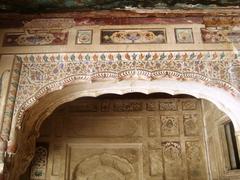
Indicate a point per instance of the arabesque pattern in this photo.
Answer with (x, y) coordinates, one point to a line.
(44, 73)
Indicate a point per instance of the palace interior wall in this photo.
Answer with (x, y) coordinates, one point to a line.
(132, 140)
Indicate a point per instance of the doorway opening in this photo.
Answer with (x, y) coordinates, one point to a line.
(133, 136)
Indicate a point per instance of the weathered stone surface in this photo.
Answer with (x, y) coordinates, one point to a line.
(156, 163)
(152, 126)
(192, 124)
(103, 126)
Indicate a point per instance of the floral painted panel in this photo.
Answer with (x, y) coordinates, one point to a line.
(39, 163)
(184, 35)
(35, 39)
(84, 37)
(134, 36)
(216, 35)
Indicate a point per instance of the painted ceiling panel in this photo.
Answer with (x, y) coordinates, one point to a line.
(69, 5)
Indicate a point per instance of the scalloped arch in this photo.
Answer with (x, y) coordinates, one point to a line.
(62, 94)
(58, 78)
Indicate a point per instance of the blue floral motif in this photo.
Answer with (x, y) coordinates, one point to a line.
(134, 56)
(148, 56)
(119, 57)
(103, 57)
(72, 57)
(192, 56)
(162, 56)
(178, 56)
(222, 55)
(32, 58)
(45, 58)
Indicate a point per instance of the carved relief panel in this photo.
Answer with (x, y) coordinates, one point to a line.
(103, 139)
(104, 161)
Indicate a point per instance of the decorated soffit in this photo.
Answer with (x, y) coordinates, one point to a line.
(36, 6)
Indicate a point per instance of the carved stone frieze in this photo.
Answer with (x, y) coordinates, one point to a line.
(189, 105)
(151, 106)
(168, 106)
(129, 106)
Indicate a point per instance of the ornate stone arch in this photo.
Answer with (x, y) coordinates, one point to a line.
(41, 82)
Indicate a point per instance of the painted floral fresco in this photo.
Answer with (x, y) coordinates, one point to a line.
(84, 37)
(216, 35)
(39, 163)
(37, 73)
(26, 39)
(184, 35)
(133, 36)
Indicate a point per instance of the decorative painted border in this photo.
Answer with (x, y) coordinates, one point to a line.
(40, 74)
(35, 39)
(133, 36)
(216, 35)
